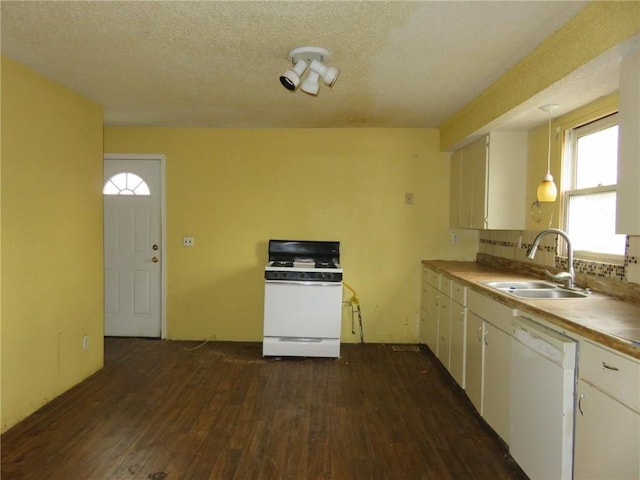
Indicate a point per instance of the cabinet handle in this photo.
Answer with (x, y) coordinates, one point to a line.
(486, 334)
(479, 334)
(461, 317)
(582, 395)
(610, 367)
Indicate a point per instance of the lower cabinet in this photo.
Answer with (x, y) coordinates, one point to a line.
(424, 313)
(607, 438)
(495, 351)
(430, 309)
(497, 379)
(470, 333)
(433, 308)
(474, 361)
(607, 442)
(443, 320)
(444, 329)
(457, 348)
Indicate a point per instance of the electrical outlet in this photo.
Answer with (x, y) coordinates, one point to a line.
(187, 241)
(85, 342)
(408, 198)
(455, 238)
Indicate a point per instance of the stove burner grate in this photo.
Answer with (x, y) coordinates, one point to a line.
(278, 263)
(320, 264)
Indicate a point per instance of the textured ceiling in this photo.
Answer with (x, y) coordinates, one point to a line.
(217, 63)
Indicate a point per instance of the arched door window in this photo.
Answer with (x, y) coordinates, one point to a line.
(126, 183)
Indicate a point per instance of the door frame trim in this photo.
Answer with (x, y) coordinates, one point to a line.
(163, 244)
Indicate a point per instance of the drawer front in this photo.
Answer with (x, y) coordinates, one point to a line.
(612, 373)
(459, 293)
(433, 278)
(445, 285)
(491, 310)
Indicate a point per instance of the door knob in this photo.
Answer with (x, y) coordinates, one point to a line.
(155, 259)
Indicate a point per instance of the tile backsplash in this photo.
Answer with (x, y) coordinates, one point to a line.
(513, 245)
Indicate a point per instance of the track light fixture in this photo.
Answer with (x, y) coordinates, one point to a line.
(311, 84)
(291, 78)
(313, 58)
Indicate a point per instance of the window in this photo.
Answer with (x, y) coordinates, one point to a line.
(126, 183)
(590, 190)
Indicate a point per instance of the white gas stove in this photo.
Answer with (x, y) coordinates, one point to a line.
(303, 299)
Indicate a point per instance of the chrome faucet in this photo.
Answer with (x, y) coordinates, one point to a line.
(566, 278)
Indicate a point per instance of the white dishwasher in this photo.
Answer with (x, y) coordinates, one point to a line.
(543, 379)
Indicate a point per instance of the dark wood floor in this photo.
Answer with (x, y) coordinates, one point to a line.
(158, 410)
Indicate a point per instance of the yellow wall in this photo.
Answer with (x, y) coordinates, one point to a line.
(537, 163)
(51, 259)
(233, 190)
(594, 30)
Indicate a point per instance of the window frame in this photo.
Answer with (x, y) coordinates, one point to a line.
(571, 136)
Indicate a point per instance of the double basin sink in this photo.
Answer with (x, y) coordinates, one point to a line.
(535, 289)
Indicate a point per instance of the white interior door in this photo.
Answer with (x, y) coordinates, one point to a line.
(133, 247)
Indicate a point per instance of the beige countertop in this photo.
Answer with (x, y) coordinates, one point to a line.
(601, 318)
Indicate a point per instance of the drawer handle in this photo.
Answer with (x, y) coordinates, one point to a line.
(610, 367)
(582, 395)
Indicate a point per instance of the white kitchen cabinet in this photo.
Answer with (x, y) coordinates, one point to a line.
(444, 321)
(424, 307)
(497, 379)
(455, 189)
(607, 443)
(430, 308)
(496, 352)
(458, 336)
(628, 194)
(444, 329)
(488, 183)
(474, 359)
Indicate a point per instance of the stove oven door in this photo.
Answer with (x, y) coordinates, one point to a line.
(304, 310)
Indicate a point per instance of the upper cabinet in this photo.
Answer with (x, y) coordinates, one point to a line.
(488, 179)
(628, 196)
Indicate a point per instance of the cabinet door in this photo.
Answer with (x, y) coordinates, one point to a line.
(497, 380)
(474, 359)
(424, 310)
(458, 342)
(607, 443)
(432, 319)
(627, 215)
(477, 163)
(444, 329)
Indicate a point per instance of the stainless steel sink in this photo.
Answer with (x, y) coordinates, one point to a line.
(518, 285)
(547, 293)
(532, 289)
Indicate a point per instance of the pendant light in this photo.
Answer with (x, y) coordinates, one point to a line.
(547, 190)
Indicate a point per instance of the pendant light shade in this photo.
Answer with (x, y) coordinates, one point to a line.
(547, 190)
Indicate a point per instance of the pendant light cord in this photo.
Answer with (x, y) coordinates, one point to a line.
(549, 145)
